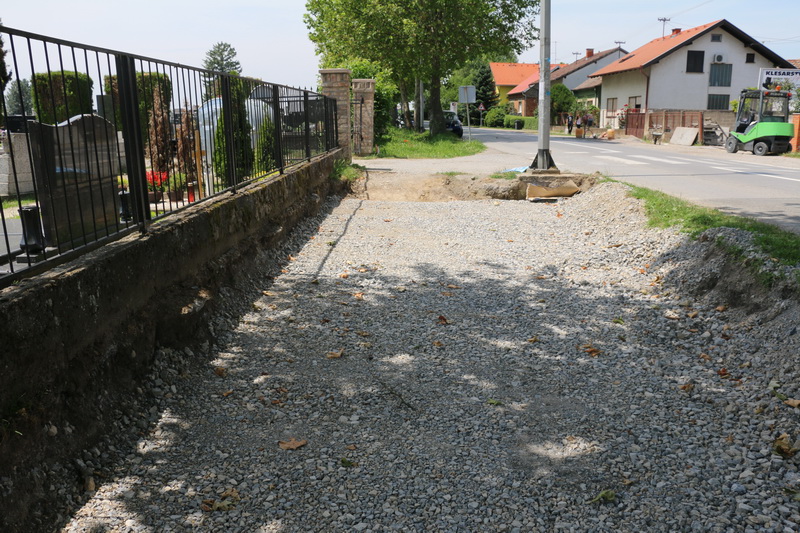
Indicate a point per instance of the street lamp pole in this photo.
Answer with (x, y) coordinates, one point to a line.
(543, 160)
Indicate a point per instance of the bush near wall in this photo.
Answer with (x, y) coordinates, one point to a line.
(494, 117)
(528, 123)
(60, 95)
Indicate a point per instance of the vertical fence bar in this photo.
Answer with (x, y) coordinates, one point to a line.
(227, 116)
(308, 125)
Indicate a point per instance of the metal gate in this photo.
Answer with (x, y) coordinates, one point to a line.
(634, 123)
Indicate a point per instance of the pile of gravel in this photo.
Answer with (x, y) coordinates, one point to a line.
(470, 366)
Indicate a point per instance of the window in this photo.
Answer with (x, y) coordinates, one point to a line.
(716, 37)
(720, 75)
(719, 101)
(635, 102)
(694, 60)
(750, 58)
(611, 104)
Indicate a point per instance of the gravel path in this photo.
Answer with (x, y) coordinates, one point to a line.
(470, 367)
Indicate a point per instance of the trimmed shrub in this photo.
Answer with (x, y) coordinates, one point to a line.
(528, 123)
(60, 95)
(146, 84)
(243, 150)
(494, 117)
(265, 147)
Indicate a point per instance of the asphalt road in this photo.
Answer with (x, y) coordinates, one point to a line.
(766, 188)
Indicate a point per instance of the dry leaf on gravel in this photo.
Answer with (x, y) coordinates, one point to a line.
(447, 293)
(451, 286)
(221, 371)
(792, 403)
(292, 444)
(721, 308)
(344, 275)
(438, 344)
(335, 355)
(442, 320)
(359, 296)
(783, 446)
(227, 393)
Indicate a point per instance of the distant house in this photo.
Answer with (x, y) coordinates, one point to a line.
(795, 62)
(702, 68)
(525, 96)
(508, 75)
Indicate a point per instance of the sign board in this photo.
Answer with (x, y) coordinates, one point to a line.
(481, 107)
(466, 94)
(779, 75)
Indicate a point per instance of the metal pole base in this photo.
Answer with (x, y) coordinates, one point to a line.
(543, 161)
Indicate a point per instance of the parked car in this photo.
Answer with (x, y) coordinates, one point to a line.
(452, 123)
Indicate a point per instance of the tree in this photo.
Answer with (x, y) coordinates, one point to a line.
(221, 58)
(5, 74)
(62, 94)
(484, 89)
(421, 38)
(19, 100)
(561, 100)
(158, 134)
(242, 147)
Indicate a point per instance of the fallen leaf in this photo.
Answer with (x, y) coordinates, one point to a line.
(359, 296)
(347, 463)
(494, 402)
(747, 364)
(451, 286)
(614, 245)
(362, 333)
(604, 496)
(446, 293)
(232, 494)
(509, 240)
(591, 350)
(783, 446)
(541, 277)
(351, 446)
(221, 371)
(723, 372)
(693, 314)
(559, 214)
(705, 357)
(721, 308)
(266, 293)
(335, 355)
(535, 338)
(687, 386)
(626, 481)
(292, 444)
(362, 270)
(442, 320)
(792, 403)
(282, 390)
(388, 219)
(438, 344)
(292, 258)
(227, 393)
(344, 275)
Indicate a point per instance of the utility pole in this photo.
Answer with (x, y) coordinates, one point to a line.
(663, 25)
(619, 47)
(543, 159)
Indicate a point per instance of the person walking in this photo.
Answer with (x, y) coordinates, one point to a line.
(578, 125)
(570, 121)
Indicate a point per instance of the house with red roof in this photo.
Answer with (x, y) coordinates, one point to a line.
(525, 96)
(509, 75)
(701, 68)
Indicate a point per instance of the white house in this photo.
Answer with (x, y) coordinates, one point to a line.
(702, 68)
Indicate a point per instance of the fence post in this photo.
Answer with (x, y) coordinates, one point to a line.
(336, 84)
(228, 135)
(308, 125)
(278, 123)
(364, 90)
(132, 132)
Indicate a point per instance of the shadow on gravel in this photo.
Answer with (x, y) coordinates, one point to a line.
(523, 384)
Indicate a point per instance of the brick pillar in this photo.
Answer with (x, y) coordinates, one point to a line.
(365, 89)
(336, 84)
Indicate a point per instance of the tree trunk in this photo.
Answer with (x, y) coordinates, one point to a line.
(404, 104)
(435, 105)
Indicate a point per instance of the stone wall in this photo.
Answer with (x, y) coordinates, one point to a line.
(17, 144)
(78, 339)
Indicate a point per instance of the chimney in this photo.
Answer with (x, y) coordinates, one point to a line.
(676, 31)
(589, 52)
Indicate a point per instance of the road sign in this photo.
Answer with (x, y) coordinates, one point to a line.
(466, 94)
(481, 108)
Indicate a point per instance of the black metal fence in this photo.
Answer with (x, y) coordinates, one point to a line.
(98, 143)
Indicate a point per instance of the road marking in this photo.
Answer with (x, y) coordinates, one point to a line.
(660, 160)
(587, 146)
(779, 177)
(574, 152)
(726, 169)
(620, 160)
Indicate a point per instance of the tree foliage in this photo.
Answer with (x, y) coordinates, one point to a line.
(158, 134)
(421, 38)
(221, 58)
(242, 147)
(562, 101)
(19, 100)
(5, 74)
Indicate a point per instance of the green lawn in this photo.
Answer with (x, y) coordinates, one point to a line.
(405, 144)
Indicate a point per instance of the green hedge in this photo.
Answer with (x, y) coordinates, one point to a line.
(145, 87)
(60, 95)
(529, 123)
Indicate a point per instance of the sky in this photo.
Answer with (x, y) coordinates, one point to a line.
(272, 42)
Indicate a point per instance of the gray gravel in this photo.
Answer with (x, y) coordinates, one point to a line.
(472, 366)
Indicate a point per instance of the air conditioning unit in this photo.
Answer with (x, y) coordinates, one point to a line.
(719, 58)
